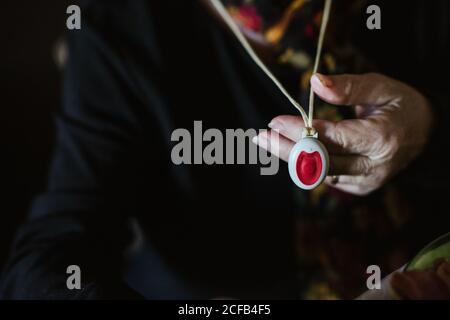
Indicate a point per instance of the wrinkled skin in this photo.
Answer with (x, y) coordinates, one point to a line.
(392, 125)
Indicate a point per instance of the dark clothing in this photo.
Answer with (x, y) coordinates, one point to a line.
(139, 69)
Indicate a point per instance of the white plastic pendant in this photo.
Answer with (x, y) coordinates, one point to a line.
(308, 163)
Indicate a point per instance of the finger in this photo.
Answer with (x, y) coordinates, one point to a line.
(292, 127)
(275, 143)
(366, 89)
(348, 188)
(289, 126)
(345, 180)
(355, 185)
(350, 165)
(354, 136)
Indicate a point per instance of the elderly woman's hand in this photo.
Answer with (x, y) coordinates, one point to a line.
(393, 124)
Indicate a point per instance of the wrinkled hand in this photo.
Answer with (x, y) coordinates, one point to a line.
(392, 125)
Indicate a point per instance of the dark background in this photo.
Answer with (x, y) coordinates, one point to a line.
(29, 93)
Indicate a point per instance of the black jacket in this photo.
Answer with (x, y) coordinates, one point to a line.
(139, 69)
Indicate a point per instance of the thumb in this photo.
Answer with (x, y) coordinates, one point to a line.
(366, 89)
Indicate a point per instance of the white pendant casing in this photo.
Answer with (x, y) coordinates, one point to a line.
(308, 163)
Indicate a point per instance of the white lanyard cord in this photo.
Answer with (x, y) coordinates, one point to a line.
(238, 34)
(323, 28)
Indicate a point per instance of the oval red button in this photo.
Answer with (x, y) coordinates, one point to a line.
(309, 167)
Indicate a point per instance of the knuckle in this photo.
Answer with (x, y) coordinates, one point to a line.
(381, 132)
(338, 137)
(379, 136)
(350, 90)
(394, 143)
(391, 142)
(364, 168)
(384, 137)
(376, 77)
(381, 177)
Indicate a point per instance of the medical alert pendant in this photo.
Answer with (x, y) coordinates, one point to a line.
(308, 162)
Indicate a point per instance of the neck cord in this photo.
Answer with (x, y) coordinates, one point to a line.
(307, 119)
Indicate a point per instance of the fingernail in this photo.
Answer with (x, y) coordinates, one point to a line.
(276, 125)
(255, 139)
(321, 80)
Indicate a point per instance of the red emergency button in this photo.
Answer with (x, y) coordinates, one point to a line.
(308, 163)
(309, 167)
